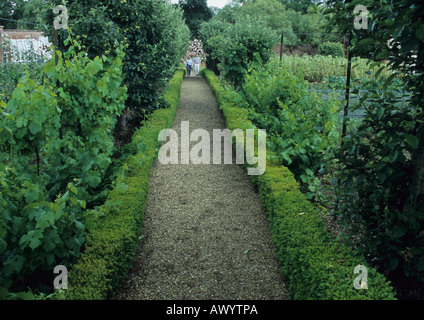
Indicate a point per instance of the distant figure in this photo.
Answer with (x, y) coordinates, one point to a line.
(196, 62)
(189, 64)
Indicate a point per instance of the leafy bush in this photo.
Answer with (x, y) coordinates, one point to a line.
(302, 128)
(56, 160)
(236, 45)
(156, 38)
(115, 226)
(334, 49)
(10, 73)
(376, 165)
(209, 30)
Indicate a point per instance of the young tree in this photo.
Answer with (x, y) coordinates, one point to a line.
(155, 35)
(233, 46)
(195, 13)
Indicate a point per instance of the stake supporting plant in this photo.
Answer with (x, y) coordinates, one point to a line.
(281, 47)
(348, 75)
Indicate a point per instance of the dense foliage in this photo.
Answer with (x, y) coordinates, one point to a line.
(195, 13)
(300, 27)
(233, 46)
(63, 127)
(154, 32)
(315, 265)
(10, 73)
(56, 160)
(382, 165)
(334, 49)
(25, 15)
(156, 37)
(302, 128)
(299, 5)
(11, 10)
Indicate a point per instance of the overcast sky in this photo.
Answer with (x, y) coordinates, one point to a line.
(212, 3)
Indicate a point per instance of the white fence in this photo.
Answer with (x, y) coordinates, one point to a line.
(20, 46)
(25, 50)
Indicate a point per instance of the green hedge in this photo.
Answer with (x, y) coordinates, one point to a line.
(314, 264)
(115, 228)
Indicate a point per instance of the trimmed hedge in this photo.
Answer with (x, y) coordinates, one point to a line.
(315, 265)
(114, 229)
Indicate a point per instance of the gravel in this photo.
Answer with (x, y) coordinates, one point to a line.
(206, 235)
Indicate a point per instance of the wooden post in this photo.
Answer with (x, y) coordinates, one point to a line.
(1, 45)
(349, 68)
(281, 48)
(56, 45)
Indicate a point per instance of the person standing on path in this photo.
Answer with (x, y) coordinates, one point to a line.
(189, 64)
(196, 62)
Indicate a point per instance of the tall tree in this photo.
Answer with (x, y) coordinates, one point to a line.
(195, 13)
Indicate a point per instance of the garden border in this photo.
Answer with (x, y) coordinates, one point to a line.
(116, 228)
(315, 265)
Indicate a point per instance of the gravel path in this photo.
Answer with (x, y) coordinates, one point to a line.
(206, 235)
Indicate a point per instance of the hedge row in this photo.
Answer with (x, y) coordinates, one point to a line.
(114, 229)
(315, 265)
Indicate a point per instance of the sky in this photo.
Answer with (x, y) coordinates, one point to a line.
(218, 3)
(212, 3)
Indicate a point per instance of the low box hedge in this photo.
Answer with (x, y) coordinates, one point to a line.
(315, 265)
(115, 229)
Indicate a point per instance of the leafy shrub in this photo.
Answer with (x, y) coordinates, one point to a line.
(56, 159)
(209, 30)
(302, 128)
(10, 73)
(156, 38)
(236, 45)
(115, 226)
(376, 165)
(334, 49)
